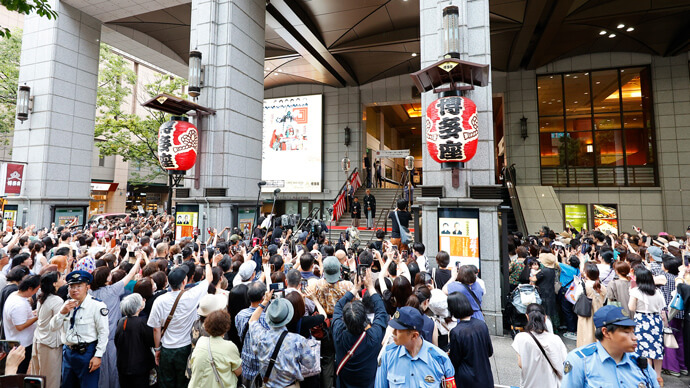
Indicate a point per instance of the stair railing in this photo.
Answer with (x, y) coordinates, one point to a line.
(509, 182)
(383, 214)
(340, 201)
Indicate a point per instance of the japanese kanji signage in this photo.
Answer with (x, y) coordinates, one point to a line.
(452, 129)
(178, 141)
(13, 177)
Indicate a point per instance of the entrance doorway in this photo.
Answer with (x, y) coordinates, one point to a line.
(389, 128)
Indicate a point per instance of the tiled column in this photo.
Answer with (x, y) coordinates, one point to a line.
(230, 35)
(475, 47)
(59, 61)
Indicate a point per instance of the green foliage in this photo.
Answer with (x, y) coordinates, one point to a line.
(39, 7)
(10, 49)
(128, 135)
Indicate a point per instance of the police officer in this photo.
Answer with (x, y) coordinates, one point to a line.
(611, 361)
(83, 324)
(412, 361)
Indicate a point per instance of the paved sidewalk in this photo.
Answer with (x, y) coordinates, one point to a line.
(507, 373)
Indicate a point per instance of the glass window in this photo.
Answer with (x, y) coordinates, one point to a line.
(596, 128)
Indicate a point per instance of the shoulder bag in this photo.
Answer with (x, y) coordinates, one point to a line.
(350, 352)
(172, 312)
(555, 371)
(272, 361)
(474, 296)
(405, 237)
(213, 365)
(583, 306)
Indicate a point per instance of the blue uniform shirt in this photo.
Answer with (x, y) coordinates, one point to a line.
(591, 366)
(427, 369)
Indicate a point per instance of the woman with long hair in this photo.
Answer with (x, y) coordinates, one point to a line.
(591, 288)
(237, 301)
(47, 353)
(539, 369)
(647, 302)
(37, 249)
(420, 300)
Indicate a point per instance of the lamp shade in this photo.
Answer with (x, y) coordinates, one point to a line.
(194, 88)
(178, 140)
(452, 129)
(23, 96)
(345, 164)
(409, 163)
(451, 31)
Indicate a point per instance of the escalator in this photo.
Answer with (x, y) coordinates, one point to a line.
(511, 202)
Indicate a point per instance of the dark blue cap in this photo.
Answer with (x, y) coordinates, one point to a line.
(79, 277)
(612, 315)
(407, 318)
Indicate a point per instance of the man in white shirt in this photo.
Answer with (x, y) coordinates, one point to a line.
(18, 319)
(418, 252)
(174, 343)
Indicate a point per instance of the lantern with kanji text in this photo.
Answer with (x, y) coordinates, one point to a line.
(452, 129)
(178, 140)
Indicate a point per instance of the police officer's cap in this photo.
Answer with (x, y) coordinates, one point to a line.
(407, 318)
(612, 315)
(79, 277)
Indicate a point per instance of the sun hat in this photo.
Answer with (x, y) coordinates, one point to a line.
(280, 313)
(210, 303)
(331, 269)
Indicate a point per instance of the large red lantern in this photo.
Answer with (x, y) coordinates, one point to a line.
(452, 129)
(178, 140)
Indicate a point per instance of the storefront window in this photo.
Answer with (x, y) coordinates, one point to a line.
(596, 128)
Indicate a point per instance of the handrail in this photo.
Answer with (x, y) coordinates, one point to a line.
(509, 182)
(349, 178)
(339, 203)
(405, 177)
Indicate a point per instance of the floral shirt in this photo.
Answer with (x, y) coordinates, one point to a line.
(329, 294)
(294, 353)
(515, 269)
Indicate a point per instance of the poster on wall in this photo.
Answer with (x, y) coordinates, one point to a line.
(65, 215)
(575, 216)
(9, 217)
(291, 146)
(245, 221)
(458, 234)
(605, 218)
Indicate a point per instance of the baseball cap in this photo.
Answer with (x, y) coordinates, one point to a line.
(655, 252)
(79, 277)
(612, 315)
(280, 313)
(246, 270)
(272, 249)
(331, 269)
(234, 238)
(407, 318)
(177, 276)
(303, 236)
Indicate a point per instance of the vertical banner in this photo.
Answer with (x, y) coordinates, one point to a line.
(12, 179)
(291, 147)
(458, 234)
(186, 221)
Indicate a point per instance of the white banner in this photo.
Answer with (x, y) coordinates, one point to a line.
(391, 153)
(291, 148)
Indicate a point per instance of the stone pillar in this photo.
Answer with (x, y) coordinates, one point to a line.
(59, 61)
(475, 47)
(230, 35)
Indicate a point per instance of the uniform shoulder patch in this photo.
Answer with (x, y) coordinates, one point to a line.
(104, 312)
(567, 367)
(96, 299)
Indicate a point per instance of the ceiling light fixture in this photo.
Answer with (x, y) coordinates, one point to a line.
(630, 29)
(414, 54)
(602, 32)
(612, 35)
(620, 26)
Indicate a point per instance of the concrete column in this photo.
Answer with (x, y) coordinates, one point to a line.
(59, 61)
(230, 35)
(475, 47)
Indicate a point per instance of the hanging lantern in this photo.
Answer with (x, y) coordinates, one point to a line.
(452, 129)
(178, 140)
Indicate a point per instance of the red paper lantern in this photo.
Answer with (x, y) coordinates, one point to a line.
(178, 140)
(452, 129)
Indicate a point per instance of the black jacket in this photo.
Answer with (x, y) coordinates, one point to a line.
(356, 210)
(369, 201)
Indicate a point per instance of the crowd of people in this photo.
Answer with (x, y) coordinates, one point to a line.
(123, 303)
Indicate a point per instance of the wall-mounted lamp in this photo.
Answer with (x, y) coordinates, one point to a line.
(523, 127)
(409, 163)
(590, 148)
(345, 164)
(24, 101)
(451, 32)
(196, 71)
(348, 136)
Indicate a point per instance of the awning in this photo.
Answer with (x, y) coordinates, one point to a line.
(451, 74)
(104, 186)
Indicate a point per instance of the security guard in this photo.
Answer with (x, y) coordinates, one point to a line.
(83, 321)
(611, 361)
(411, 361)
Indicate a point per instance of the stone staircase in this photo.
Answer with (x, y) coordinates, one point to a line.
(384, 200)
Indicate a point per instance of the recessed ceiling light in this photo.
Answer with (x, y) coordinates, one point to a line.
(574, 76)
(630, 29)
(598, 82)
(574, 102)
(280, 70)
(567, 75)
(414, 54)
(414, 127)
(602, 32)
(268, 68)
(623, 71)
(275, 73)
(612, 35)
(620, 26)
(586, 93)
(586, 73)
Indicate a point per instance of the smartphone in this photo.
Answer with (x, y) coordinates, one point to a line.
(117, 241)
(202, 246)
(458, 264)
(395, 247)
(304, 283)
(33, 382)
(131, 254)
(277, 287)
(177, 259)
(361, 270)
(6, 346)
